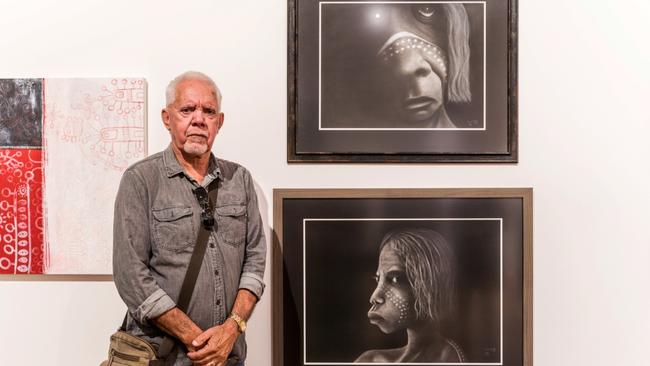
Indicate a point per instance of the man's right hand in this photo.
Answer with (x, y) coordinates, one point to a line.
(216, 344)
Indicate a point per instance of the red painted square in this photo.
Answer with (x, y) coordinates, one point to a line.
(21, 211)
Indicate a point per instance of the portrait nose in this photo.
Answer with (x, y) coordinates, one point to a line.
(412, 65)
(411, 70)
(377, 296)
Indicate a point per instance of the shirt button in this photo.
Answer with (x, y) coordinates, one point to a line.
(218, 301)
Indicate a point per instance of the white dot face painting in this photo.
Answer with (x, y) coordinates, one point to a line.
(392, 300)
(401, 48)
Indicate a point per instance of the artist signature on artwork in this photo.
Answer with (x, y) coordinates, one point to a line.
(474, 123)
(489, 351)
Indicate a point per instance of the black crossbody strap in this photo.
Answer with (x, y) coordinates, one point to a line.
(193, 270)
(165, 353)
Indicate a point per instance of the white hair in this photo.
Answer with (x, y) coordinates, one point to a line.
(458, 89)
(170, 92)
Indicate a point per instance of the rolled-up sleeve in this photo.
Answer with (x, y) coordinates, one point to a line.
(131, 252)
(255, 254)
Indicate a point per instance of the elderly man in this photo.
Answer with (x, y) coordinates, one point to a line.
(157, 218)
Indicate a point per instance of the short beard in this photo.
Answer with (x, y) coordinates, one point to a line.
(195, 149)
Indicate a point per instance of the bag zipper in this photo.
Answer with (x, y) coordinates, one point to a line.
(135, 342)
(125, 356)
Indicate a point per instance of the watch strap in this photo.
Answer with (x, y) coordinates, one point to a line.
(241, 323)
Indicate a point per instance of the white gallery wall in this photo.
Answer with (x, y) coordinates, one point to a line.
(584, 96)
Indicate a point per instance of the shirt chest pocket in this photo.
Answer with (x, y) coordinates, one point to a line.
(173, 228)
(231, 221)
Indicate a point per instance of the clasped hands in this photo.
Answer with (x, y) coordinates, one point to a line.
(212, 347)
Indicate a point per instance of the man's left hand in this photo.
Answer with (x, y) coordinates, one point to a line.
(214, 345)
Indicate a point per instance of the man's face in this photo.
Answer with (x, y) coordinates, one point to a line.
(193, 119)
(392, 300)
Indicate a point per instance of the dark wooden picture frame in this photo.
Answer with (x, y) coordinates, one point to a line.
(325, 250)
(343, 108)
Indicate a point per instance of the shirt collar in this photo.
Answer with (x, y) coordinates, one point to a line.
(174, 168)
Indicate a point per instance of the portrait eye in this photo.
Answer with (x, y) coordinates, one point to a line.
(395, 278)
(209, 111)
(424, 13)
(186, 110)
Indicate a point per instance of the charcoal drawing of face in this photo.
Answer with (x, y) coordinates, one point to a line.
(415, 285)
(392, 301)
(415, 280)
(411, 61)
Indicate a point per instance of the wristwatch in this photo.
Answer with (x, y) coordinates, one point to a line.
(241, 323)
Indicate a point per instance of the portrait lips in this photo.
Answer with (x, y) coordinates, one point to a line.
(374, 317)
(416, 104)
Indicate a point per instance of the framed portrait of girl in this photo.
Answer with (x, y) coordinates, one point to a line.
(393, 277)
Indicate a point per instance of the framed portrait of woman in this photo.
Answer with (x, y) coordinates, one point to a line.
(402, 81)
(402, 276)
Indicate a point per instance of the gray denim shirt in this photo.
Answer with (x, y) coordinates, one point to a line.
(157, 220)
